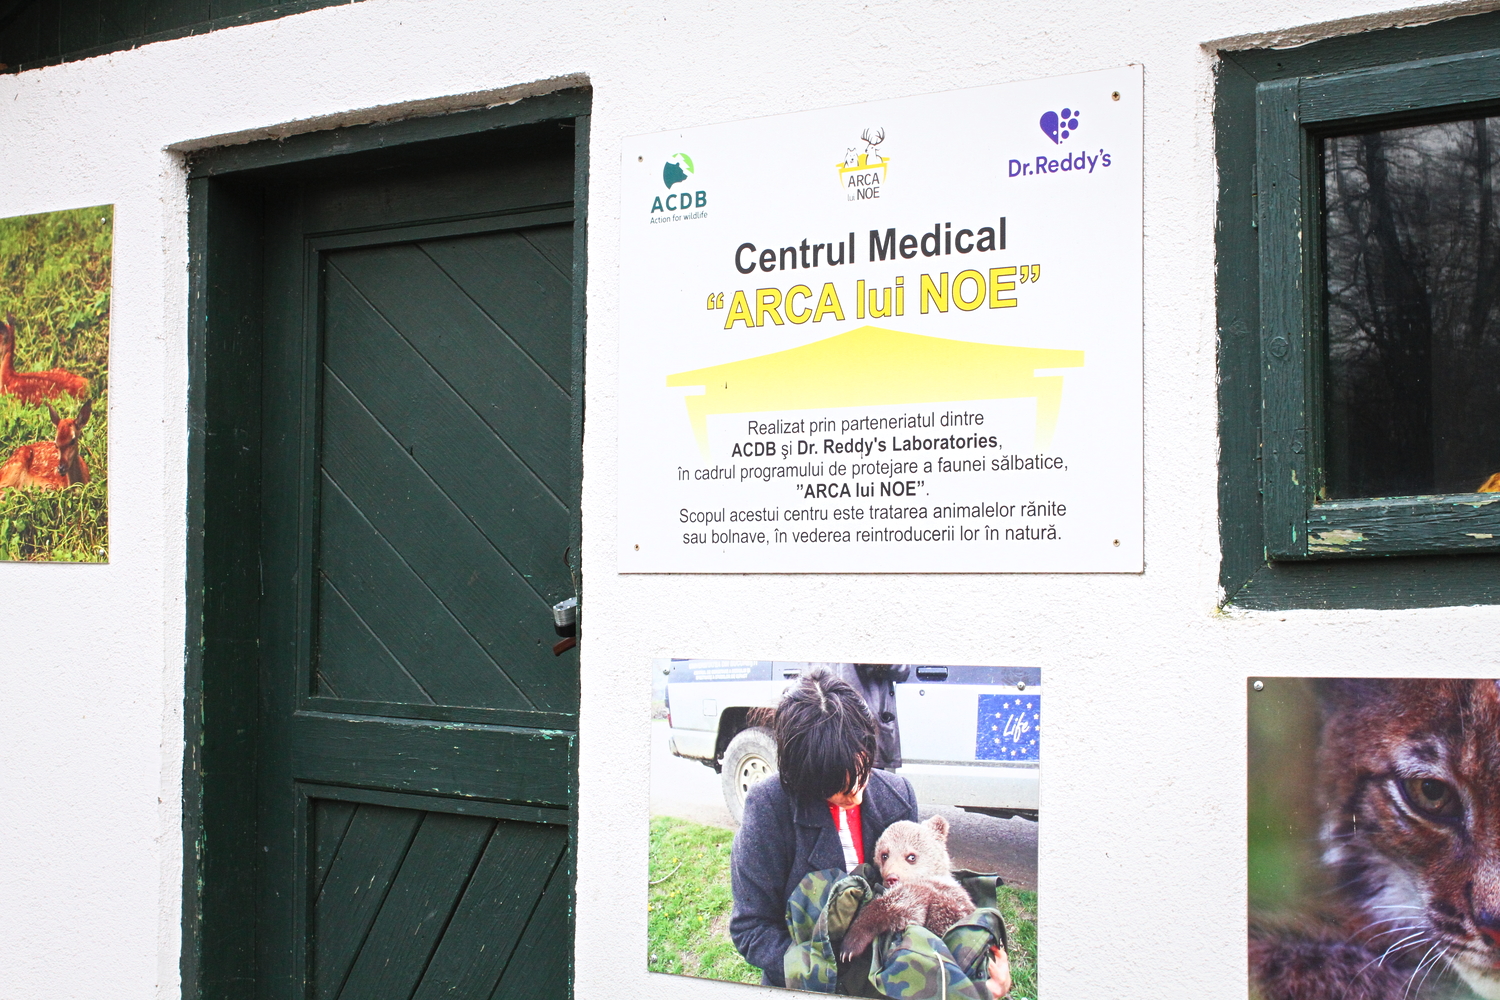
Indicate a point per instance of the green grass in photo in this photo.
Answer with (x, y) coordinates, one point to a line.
(687, 911)
(68, 525)
(55, 281)
(1018, 908)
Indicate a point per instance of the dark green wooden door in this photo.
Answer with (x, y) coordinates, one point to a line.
(420, 435)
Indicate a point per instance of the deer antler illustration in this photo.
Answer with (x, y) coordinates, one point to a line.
(872, 143)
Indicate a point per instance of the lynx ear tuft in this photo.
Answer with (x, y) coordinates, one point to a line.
(938, 825)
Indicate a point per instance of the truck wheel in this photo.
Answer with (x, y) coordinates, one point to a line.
(749, 759)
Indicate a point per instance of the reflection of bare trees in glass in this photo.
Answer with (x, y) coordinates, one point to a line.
(1413, 276)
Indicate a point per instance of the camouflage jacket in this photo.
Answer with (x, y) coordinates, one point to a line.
(914, 964)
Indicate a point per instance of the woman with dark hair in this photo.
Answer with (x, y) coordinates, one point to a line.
(826, 809)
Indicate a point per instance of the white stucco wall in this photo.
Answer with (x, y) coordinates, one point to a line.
(1142, 847)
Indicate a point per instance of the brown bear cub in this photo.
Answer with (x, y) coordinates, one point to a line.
(920, 887)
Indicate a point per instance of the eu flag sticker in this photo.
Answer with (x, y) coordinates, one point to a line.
(1010, 727)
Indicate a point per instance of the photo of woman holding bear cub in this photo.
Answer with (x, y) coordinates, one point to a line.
(831, 851)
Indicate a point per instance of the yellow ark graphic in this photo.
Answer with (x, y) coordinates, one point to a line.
(871, 366)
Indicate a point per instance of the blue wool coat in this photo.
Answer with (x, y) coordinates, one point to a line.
(780, 841)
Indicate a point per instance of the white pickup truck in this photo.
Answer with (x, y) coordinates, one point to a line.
(970, 736)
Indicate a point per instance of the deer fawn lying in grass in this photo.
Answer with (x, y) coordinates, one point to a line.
(50, 465)
(33, 387)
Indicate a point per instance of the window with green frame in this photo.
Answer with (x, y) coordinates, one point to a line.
(1359, 319)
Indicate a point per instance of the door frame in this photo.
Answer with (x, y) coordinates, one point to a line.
(221, 693)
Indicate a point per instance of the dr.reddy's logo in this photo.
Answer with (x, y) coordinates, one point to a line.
(676, 170)
(1058, 127)
(863, 172)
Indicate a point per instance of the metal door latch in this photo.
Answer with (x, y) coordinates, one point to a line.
(565, 624)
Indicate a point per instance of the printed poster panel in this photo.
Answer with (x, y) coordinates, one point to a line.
(776, 858)
(54, 385)
(1371, 843)
(890, 337)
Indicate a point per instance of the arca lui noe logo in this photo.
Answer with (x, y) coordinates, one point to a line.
(863, 172)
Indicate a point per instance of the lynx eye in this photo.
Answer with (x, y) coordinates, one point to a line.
(1432, 797)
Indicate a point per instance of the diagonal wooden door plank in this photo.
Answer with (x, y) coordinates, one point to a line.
(498, 606)
(554, 243)
(509, 391)
(490, 919)
(330, 823)
(436, 648)
(540, 966)
(442, 434)
(352, 661)
(417, 908)
(352, 894)
(517, 287)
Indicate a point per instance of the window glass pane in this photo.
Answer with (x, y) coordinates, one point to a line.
(1412, 259)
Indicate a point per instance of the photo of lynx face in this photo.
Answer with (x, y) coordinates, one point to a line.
(1374, 840)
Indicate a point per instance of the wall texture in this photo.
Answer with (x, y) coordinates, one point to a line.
(1142, 870)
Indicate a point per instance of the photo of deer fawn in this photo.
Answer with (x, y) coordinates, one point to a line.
(49, 465)
(33, 387)
(55, 295)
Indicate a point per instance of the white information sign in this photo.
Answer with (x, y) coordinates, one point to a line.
(902, 336)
